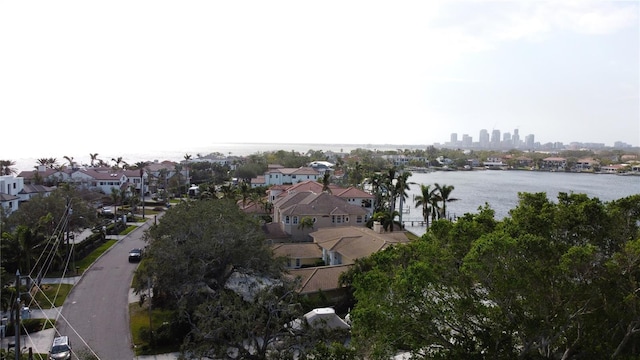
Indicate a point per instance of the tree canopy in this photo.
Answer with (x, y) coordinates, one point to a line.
(209, 260)
(555, 280)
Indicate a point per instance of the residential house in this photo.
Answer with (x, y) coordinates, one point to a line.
(554, 163)
(351, 194)
(278, 175)
(9, 203)
(322, 166)
(524, 162)
(229, 161)
(10, 188)
(44, 175)
(398, 160)
(106, 179)
(323, 209)
(346, 245)
(614, 168)
(160, 173)
(325, 279)
(586, 164)
(13, 191)
(339, 248)
(299, 255)
(495, 163)
(30, 190)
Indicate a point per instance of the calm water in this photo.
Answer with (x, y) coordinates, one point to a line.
(500, 189)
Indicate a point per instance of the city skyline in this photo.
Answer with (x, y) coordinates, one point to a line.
(496, 139)
(151, 76)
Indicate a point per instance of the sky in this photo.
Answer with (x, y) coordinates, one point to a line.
(114, 77)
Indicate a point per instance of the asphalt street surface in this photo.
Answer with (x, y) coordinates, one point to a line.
(95, 315)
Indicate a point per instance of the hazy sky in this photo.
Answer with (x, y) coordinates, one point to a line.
(79, 77)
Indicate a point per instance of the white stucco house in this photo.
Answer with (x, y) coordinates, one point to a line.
(278, 175)
(13, 191)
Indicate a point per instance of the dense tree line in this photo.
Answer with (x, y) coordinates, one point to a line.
(555, 280)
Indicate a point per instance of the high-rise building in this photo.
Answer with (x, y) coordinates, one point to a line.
(495, 138)
(454, 138)
(506, 139)
(484, 138)
(467, 140)
(516, 138)
(529, 141)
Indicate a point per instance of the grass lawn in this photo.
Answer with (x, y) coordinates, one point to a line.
(52, 295)
(129, 229)
(84, 263)
(139, 323)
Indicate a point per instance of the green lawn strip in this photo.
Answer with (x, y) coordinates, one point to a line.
(84, 263)
(51, 295)
(4, 354)
(139, 325)
(129, 229)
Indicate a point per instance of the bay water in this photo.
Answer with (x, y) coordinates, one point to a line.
(500, 188)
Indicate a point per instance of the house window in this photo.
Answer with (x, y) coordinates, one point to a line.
(359, 219)
(297, 263)
(295, 220)
(293, 176)
(346, 219)
(286, 219)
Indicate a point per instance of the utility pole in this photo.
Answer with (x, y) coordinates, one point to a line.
(17, 322)
(142, 190)
(69, 212)
(150, 313)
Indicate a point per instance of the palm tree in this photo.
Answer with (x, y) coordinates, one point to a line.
(94, 158)
(401, 188)
(326, 181)
(245, 192)
(176, 180)
(426, 199)
(118, 161)
(72, 164)
(187, 159)
(116, 196)
(141, 165)
(389, 186)
(356, 175)
(228, 191)
(305, 223)
(6, 167)
(376, 182)
(42, 162)
(386, 219)
(443, 196)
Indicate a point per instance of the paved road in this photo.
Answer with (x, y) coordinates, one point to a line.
(95, 314)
